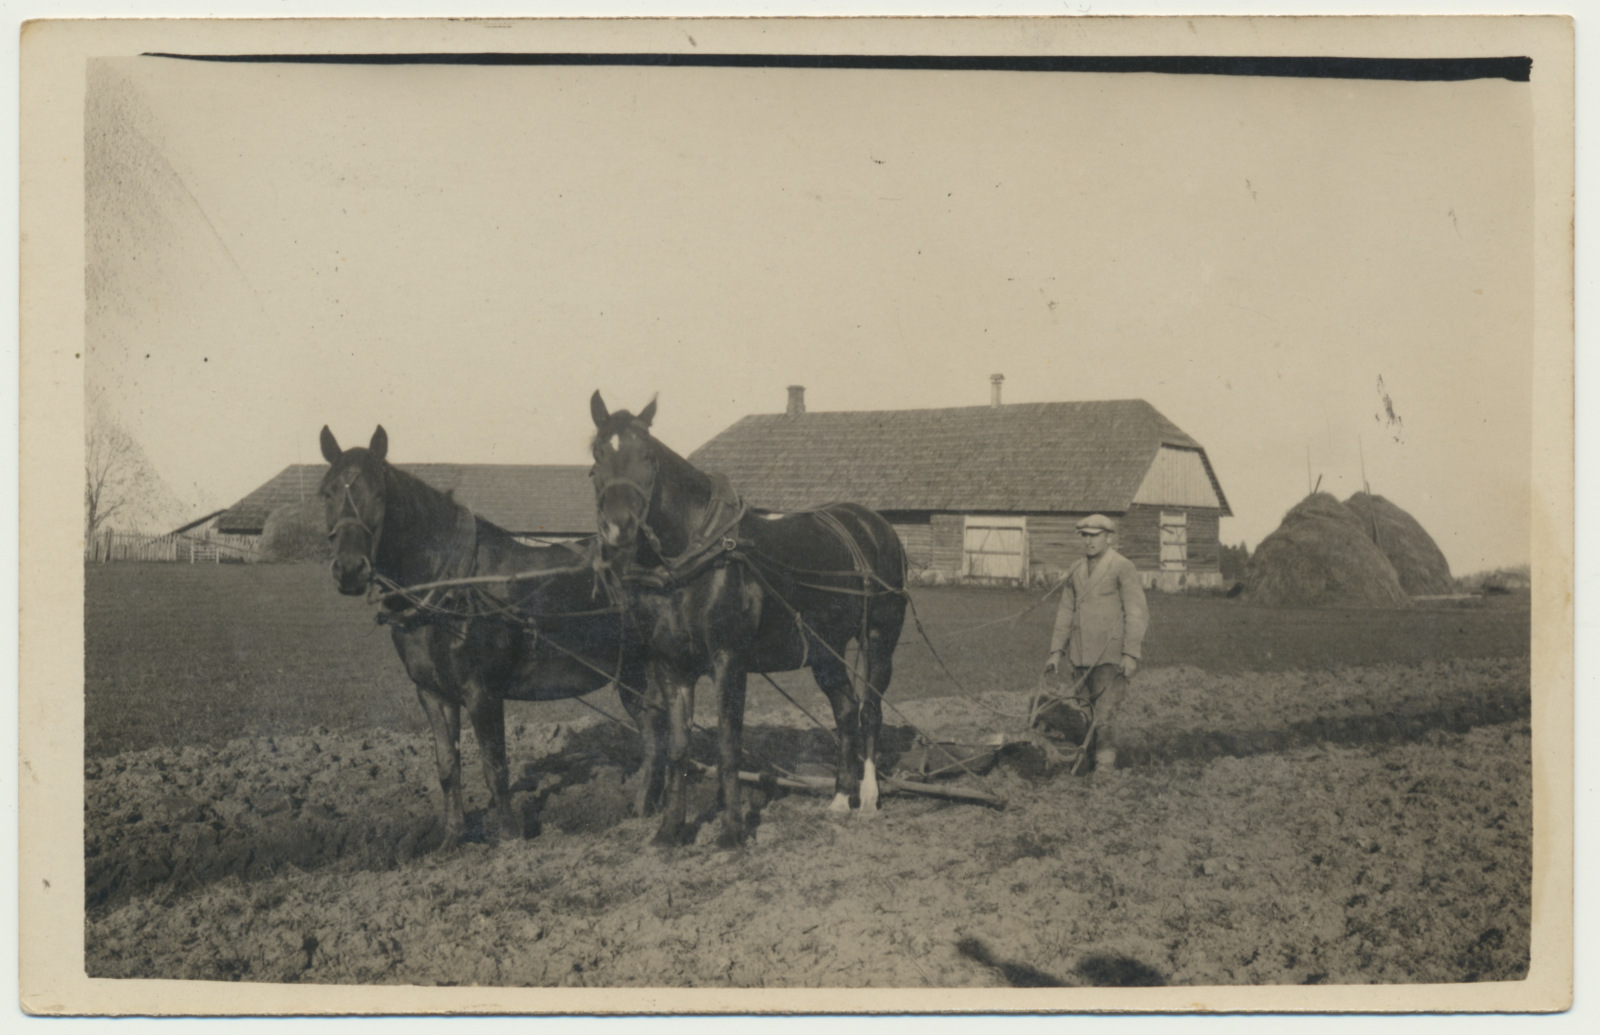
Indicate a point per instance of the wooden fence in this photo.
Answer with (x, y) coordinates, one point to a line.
(129, 546)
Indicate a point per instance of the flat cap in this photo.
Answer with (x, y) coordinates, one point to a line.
(1097, 523)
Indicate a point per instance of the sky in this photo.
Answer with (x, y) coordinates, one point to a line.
(1316, 279)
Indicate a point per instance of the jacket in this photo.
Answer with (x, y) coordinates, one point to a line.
(1102, 615)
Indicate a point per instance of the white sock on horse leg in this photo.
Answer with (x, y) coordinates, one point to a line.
(869, 788)
(840, 803)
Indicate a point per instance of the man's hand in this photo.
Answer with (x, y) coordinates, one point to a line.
(1051, 663)
(1130, 665)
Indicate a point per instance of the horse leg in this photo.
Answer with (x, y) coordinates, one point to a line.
(879, 656)
(729, 672)
(489, 723)
(834, 680)
(679, 693)
(651, 717)
(444, 718)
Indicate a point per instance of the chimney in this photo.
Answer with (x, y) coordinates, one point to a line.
(797, 400)
(994, 389)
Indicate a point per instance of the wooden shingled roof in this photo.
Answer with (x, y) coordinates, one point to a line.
(524, 499)
(1030, 457)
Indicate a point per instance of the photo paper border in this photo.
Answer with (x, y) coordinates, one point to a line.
(51, 634)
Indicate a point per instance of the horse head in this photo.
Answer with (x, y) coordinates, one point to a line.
(353, 503)
(624, 474)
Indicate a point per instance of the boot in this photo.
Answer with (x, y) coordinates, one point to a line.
(1105, 760)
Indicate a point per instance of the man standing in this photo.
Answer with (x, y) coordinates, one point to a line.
(1100, 628)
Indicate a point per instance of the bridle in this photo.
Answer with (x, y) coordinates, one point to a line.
(639, 508)
(350, 514)
(643, 492)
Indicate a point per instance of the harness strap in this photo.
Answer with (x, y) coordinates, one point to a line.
(460, 561)
(711, 541)
(864, 569)
(800, 620)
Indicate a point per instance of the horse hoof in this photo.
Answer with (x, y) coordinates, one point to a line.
(840, 805)
(866, 813)
(730, 838)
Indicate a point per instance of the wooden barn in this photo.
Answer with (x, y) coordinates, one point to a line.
(993, 492)
(536, 502)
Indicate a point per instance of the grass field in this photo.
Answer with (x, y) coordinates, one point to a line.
(180, 654)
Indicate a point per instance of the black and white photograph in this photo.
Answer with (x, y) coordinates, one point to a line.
(886, 515)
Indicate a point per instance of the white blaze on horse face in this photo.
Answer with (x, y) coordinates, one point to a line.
(615, 520)
(610, 531)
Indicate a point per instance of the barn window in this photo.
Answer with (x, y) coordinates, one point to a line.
(995, 547)
(1174, 541)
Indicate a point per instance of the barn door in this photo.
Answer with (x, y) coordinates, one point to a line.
(1174, 541)
(995, 547)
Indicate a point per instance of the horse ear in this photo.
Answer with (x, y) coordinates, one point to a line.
(380, 443)
(648, 414)
(330, 446)
(597, 409)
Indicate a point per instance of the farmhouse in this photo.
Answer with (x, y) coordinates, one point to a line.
(993, 492)
(531, 501)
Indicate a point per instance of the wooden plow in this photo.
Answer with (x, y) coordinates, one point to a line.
(823, 785)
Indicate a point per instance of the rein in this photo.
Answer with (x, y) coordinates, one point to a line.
(712, 547)
(877, 693)
(486, 580)
(422, 596)
(437, 612)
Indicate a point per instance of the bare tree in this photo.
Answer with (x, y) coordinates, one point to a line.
(119, 481)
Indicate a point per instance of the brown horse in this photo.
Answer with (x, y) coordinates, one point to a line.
(539, 638)
(722, 590)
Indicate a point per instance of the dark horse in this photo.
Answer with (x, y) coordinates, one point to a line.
(536, 639)
(722, 590)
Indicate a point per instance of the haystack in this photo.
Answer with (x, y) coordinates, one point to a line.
(296, 532)
(1417, 559)
(1322, 556)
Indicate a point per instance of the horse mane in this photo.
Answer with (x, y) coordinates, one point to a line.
(415, 491)
(440, 505)
(699, 478)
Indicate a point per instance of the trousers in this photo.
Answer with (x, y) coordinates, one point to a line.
(1103, 690)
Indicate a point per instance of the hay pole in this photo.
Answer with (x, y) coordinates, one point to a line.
(1372, 511)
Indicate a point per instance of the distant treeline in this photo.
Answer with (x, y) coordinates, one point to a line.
(1234, 559)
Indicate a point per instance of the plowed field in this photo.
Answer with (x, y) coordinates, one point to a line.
(1337, 823)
